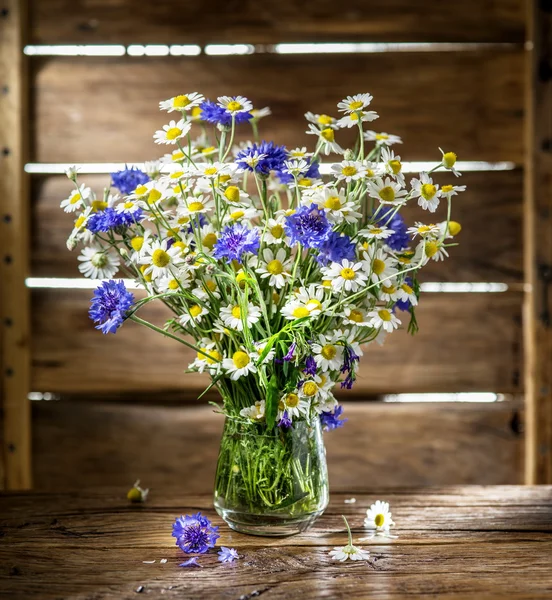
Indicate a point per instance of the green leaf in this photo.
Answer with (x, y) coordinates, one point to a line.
(271, 402)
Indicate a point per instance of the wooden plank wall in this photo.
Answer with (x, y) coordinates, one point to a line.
(469, 99)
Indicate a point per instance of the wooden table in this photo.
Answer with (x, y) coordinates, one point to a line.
(455, 542)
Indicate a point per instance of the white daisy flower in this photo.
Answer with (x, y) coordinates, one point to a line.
(98, 263)
(357, 316)
(349, 551)
(234, 104)
(448, 191)
(183, 102)
(453, 229)
(378, 517)
(235, 195)
(240, 365)
(194, 314)
(325, 397)
(295, 166)
(382, 139)
(426, 191)
(354, 103)
(353, 119)
(313, 298)
(392, 164)
(173, 282)
(213, 170)
(326, 139)
(241, 214)
(274, 232)
(252, 160)
(195, 205)
(422, 230)
(448, 161)
(349, 170)
(172, 132)
(207, 289)
(336, 206)
(209, 359)
(347, 276)
(294, 405)
(295, 310)
(76, 199)
(389, 292)
(160, 259)
(376, 232)
(260, 113)
(378, 265)
(384, 319)
(321, 120)
(327, 354)
(255, 412)
(309, 389)
(299, 153)
(433, 249)
(276, 267)
(386, 191)
(80, 233)
(232, 316)
(406, 294)
(259, 348)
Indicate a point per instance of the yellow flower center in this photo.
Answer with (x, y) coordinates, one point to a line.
(305, 182)
(209, 240)
(236, 312)
(154, 196)
(356, 316)
(369, 173)
(76, 197)
(137, 243)
(447, 188)
(160, 258)
(213, 356)
(349, 171)
(210, 171)
(395, 166)
(381, 136)
(347, 273)
(240, 359)
(177, 155)
(181, 101)
(275, 267)
(388, 289)
(355, 105)
(173, 133)
(291, 400)
(147, 276)
(428, 190)
(233, 106)
(310, 388)
(195, 206)
(176, 174)
(328, 134)
(376, 230)
(325, 120)
(387, 194)
(240, 278)
(314, 304)
(378, 266)
(98, 205)
(141, 190)
(406, 288)
(454, 228)
(333, 203)
(277, 231)
(384, 314)
(99, 260)
(196, 112)
(379, 520)
(80, 222)
(128, 204)
(328, 351)
(237, 214)
(173, 284)
(431, 248)
(354, 116)
(181, 246)
(425, 229)
(449, 160)
(326, 283)
(275, 297)
(195, 311)
(300, 312)
(232, 193)
(210, 285)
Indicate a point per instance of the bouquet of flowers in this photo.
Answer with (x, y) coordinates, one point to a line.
(277, 269)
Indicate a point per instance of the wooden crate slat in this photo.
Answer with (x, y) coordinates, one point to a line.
(490, 212)
(126, 21)
(106, 109)
(467, 342)
(82, 444)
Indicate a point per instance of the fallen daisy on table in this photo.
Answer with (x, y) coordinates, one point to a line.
(349, 551)
(378, 518)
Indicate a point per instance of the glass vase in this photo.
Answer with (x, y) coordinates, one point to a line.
(271, 482)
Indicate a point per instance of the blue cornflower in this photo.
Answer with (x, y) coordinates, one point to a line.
(128, 180)
(350, 360)
(312, 172)
(213, 113)
(109, 218)
(236, 240)
(398, 240)
(191, 562)
(109, 305)
(227, 554)
(336, 248)
(285, 421)
(273, 158)
(310, 366)
(308, 226)
(195, 534)
(331, 419)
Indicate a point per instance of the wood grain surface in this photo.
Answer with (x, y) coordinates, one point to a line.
(93, 444)
(169, 22)
(106, 109)
(454, 542)
(490, 212)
